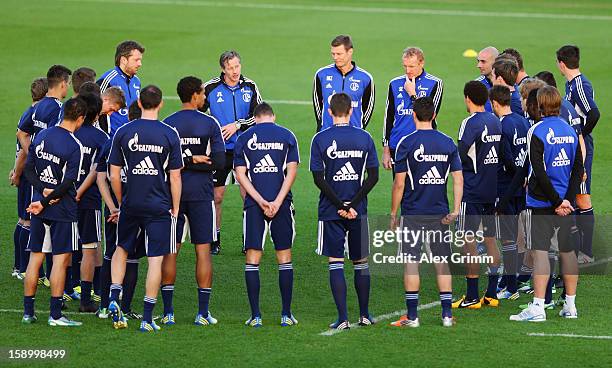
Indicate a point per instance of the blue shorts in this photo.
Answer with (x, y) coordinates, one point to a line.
(159, 234)
(255, 227)
(471, 215)
(24, 198)
(506, 225)
(585, 187)
(339, 237)
(199, 220)
(110, 242)
(54, 237)
(90, 226)
(430, 230)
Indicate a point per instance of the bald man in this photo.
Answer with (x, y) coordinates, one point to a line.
(486, 58)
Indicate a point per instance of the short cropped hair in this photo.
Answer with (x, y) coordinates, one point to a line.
(424, 108)
(570, 56)
(150, 97)
(57, 74)
(413, 51)
(39, 88)
(547, 77)
(342, 40)
(516, 55)
(116, 95)
(500, 94)
(80, 76)
(94, 106)
(125, 48)
(507, 69)
(90, 87)
(187, 86)
(549, 101)
(476, 92)
(227, 56)
(340, 105)
(134, 111)
(528, 85)
(263, 109)
(75, 108)
(531, 105)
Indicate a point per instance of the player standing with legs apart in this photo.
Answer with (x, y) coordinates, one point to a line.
(424, 158)
(402, 93)
(150, 151)
(128, 60)
(203, 152)
(88, 197)
(554, 179)
(111, 217)
(579, 91)
(513, 151)
(53, 168)
(479, 142)
(266, 160)
(343, 76)
(339, 159)
(38, 90)
(231, 99)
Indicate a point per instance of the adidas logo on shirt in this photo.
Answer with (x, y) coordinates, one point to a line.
(346, 173)
(47, 176)
(145, 167)
(561, 159)
(265, 165)
(432, 177)
(491, 157)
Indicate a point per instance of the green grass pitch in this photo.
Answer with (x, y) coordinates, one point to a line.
(282, 45)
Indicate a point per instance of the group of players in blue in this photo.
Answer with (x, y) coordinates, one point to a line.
(163, 180)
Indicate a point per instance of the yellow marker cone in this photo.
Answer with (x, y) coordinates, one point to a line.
(470, 53)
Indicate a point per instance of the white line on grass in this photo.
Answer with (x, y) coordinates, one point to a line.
(570, 335)
(38, 311)
(273, 102)
(381, 318)
(359, 9)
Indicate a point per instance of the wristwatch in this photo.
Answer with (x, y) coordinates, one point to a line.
(413, 97)
(238, 124)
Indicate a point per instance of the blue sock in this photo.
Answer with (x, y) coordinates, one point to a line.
(203, 300)
(76, 268)
(96, 280)
(412, 303)
(129, 285)
(28, 305)
(492, 285)
(338, 288)
(586, 223)
(548, 295)
(446, 299)
(472, 288)
(16, 246)
(251, 276)
(56, 307)
(510, 257)
(24, 257)
(285, 283)
(115, 290)
(166, 292)
(49, 265)
(362, 287)
(105, 281)
(68, 289)
(86, 292)
(149, 305)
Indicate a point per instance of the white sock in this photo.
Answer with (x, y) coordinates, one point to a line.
(538, 302)
(570, 300)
